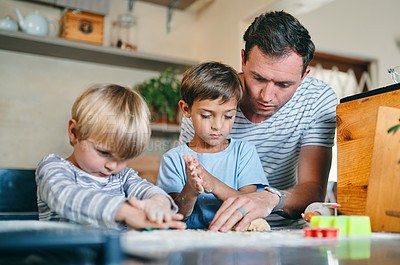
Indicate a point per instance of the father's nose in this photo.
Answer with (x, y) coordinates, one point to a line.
(268, 91)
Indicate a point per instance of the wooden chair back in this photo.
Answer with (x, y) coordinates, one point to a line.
(146, 166)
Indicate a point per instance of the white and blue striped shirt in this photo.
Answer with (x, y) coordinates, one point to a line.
(308, 118)
(67, 193)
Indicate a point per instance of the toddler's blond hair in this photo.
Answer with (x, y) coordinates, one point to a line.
(114, 116)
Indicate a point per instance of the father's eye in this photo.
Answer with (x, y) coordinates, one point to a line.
(284, 85)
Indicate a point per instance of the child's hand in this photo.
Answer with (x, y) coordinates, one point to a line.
(136, 217)
(197, 176)
(141, 222)
(192, 174)
(157, 209)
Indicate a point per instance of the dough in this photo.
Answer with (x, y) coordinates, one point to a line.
(258, 225)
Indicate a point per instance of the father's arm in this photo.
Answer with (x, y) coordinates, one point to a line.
(313, 172)
(315, 156)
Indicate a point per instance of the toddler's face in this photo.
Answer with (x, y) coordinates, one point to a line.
(212, 120)
(96, 159)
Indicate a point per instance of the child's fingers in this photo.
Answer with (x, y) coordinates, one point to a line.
(159, 214)
(187, 158)
(198, 185)
(177, 217)
(136, 203)
(140, 224)
(173, 217)
(168, 217)
(176, 225)
(159, 217)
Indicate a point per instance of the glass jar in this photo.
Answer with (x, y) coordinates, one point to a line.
(125, 32)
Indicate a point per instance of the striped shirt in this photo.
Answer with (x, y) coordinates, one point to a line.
(67, 193)
(308, 118)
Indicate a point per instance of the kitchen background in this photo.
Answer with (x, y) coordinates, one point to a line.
(37, 92)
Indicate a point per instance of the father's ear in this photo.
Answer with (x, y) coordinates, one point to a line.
(242, 52)
(308, 69)
(185, 108)
(72, 124)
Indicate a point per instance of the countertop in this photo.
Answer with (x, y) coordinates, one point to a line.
(27, 242)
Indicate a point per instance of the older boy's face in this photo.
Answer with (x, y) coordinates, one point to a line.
(212, 121)
(96, 159)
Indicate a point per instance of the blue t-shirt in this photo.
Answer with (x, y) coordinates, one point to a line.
(236, 166)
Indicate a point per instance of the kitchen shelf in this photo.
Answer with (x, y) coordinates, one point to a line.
(181, 4)
(62, 48)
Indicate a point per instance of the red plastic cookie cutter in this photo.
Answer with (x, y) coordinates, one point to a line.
(320, 232)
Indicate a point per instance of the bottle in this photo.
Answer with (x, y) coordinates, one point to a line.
(125, 30)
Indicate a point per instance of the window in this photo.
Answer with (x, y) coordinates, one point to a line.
(347, 76)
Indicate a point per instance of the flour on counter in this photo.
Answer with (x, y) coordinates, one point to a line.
(159, 243)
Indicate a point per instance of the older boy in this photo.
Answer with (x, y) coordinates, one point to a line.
(205, 171)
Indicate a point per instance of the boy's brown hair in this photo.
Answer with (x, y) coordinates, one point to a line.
(210, 80)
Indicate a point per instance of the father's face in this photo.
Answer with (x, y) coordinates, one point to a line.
(269, 82)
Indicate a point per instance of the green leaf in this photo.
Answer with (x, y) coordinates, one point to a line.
(162, 93)
(394, 129)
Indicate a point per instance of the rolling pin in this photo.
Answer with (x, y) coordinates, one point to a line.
(320, 208)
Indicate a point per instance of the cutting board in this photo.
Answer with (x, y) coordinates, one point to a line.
(356, 125)
(383, 199)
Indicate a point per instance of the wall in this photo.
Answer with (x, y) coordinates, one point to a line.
(220, 27)
(358, 28)
(365, 29)
(37, 92)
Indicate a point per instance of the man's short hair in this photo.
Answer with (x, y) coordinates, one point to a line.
(277, 34)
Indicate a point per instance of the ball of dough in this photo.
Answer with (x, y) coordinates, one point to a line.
(258, 225)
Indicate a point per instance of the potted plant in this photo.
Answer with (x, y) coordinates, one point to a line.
(162, 95)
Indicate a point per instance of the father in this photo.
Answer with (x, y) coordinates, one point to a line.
(289, 116)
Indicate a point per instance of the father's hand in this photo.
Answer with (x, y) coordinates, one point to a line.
(255, 205)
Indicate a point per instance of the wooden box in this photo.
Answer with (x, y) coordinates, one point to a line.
(357, 120)
(82, 26)
(383, 196)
